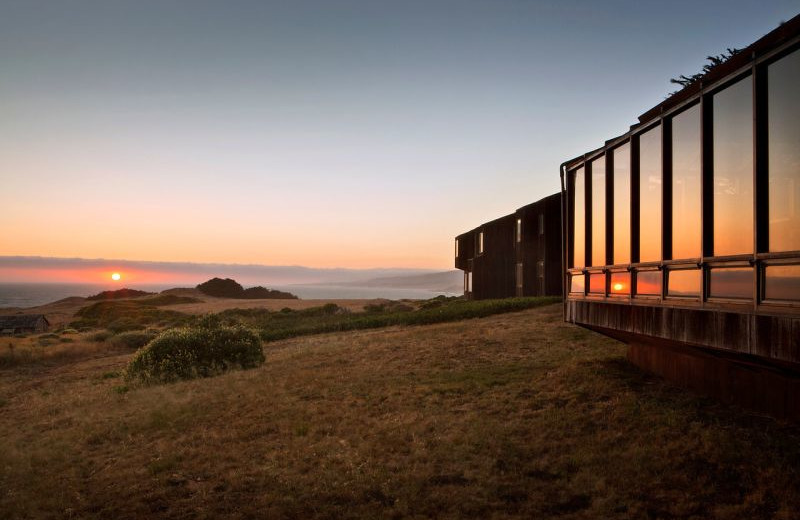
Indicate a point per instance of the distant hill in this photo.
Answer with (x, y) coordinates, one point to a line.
(119, 294)
(229, 288)
(445, 282)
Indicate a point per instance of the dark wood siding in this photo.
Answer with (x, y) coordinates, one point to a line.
(493, 270)
(540, 250)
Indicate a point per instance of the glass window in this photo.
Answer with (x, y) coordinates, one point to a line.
(480, 243)
(466, 282)
(783, 84)
(732, 282)
(469, 281)
(519, 230)
(597, 283)
(782, 282)
(621, 283)
(648, 283)
(650, 195)
(733, 169)
(686, 192)
(579, 222)
(684, 282)
(456, 248)
(622, 204)
(599, 211)
(577, 283)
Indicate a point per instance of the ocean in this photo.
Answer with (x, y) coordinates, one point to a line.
(33, 294)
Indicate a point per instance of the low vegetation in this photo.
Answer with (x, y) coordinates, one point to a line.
(515, 415)
(125, 315)
(289, 323)
(202, 350)
(162, 300)
(228, 288)
(119, 294)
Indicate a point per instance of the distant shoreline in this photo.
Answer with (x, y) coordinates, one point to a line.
(16, 295)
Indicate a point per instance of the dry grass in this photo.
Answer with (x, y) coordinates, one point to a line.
(512, 416)
(62, 312)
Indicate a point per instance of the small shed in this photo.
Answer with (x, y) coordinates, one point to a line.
(23, 323)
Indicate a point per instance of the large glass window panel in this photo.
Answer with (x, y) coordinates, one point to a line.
(577, 283)
(686, 192)
(733, 169)
(684, 282)
(784, 153)
(599, 211)
(597, 283)
(733, 282)
(650, 195)
(782, 282)
(621, 283)
(579, 222)
(648, 283)
(622, 204)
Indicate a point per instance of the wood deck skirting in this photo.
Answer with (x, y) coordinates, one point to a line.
(747, 359)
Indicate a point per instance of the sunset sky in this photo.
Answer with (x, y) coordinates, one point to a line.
(326, 134)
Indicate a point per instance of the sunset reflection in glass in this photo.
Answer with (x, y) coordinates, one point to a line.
(784, 153)
(650, 195)
(686, 195)
(684, 282)
(579, 222)
(622, 204)
(733, 169)
(621, 283)
(648, 283)
(599, 211)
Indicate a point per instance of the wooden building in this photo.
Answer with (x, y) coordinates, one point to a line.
(538, 248)
(23, 323)
(515, 255)
(465, 252)
(683, 234)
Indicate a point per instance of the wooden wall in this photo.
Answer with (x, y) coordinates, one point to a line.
(738, 357)
(545, 247)
(493, 271)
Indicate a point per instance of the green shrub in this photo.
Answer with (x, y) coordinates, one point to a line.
(204, 350)
(163, 300)
(123, 315)
(100, 336)
(133, 339)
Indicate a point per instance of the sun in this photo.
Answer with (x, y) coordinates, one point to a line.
(115, 276)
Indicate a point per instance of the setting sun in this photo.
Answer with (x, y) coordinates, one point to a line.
(115, 276)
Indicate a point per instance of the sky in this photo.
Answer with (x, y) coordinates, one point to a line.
(357, 134)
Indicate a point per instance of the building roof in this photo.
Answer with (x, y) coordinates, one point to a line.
(533, 205)
(21, 321)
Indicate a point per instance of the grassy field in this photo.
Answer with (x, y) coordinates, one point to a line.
(515, 415)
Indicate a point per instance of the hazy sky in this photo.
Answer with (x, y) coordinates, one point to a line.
(328, 133)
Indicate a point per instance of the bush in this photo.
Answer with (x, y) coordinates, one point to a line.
(100, 336)
(220, 288)
(118, 294)
(204, 350)
(229, 288)
(261, 293)
(133, 339)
